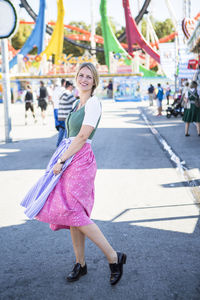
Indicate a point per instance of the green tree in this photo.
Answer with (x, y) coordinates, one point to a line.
(21, 36)
(163, 28)
(69, 48)
(25, 30)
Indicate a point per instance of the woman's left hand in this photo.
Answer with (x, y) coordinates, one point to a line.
(57, 168)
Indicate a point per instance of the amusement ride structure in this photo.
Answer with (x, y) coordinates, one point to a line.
(111, 44)
(136, 53)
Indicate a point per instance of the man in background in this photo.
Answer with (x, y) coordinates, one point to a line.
(151, 94)
(43, 100)
(56, 95)
(159, 97)
(65, 106)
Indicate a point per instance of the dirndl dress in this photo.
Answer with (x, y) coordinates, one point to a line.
(65, 199)
(192, 114)
(70, 200)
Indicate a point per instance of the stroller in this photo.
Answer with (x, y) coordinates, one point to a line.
(176, 108)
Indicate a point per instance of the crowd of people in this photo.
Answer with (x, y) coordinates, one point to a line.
(64, 95)
(186, 97)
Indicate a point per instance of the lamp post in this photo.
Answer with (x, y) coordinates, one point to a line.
(6, 29)
(93, 42)
(6, 89)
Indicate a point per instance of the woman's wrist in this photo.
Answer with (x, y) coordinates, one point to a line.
(60, 161)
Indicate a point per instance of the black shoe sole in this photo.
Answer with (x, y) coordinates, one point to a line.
(75, 279)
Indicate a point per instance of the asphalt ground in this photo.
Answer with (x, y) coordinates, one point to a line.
(146, 204)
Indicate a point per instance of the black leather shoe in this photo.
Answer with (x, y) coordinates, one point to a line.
(77, 272)
(117, 268)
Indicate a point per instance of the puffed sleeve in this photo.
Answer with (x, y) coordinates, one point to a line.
(92, 112)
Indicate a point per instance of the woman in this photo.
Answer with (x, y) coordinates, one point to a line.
(191, 112)
(70, 203)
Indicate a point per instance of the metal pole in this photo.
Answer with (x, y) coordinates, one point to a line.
(139, 25)
(147, 59)
(176, 63)
(6, 89)
(93, 42)
(189, 9)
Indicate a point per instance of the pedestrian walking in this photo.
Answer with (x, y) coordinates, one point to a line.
(57, 93)
(151, 94)
(65, 106)
(159, 97)
(42, 100)
(192, 108)
(28, 99)
(64, 196)
(168, 92)
(110, 89)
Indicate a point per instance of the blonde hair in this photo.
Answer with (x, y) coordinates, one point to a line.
(94, 72)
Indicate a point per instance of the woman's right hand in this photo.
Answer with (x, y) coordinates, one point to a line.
(57, 168)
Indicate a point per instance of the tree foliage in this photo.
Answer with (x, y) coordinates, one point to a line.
(23, 32)
(161, 28)
(68, 48)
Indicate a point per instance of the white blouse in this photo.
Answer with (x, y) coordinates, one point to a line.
(92, 111)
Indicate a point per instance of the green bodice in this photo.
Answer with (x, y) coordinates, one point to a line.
(74, 122)
(192, 96)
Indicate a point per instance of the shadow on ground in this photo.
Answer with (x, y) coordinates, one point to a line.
(160, 265)
(36, 153)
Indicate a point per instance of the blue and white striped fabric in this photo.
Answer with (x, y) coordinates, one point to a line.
(37, 196)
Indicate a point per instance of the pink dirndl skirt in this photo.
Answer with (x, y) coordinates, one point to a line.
(71, 201)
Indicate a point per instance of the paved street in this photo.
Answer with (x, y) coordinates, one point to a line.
(146, 204)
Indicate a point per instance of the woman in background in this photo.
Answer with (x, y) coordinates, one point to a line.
(192, 111)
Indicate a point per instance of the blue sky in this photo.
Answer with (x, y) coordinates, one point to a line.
(79, 10)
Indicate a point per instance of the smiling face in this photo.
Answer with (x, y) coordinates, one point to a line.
(85, 80)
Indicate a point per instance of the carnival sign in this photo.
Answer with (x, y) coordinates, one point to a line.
(168, 59)
(193, 64)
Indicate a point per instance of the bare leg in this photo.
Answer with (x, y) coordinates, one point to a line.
(159, 110)
(78, 240)
(93, 232)
(198, 127)
(25, 118)
(187, 128)
(43, 114)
